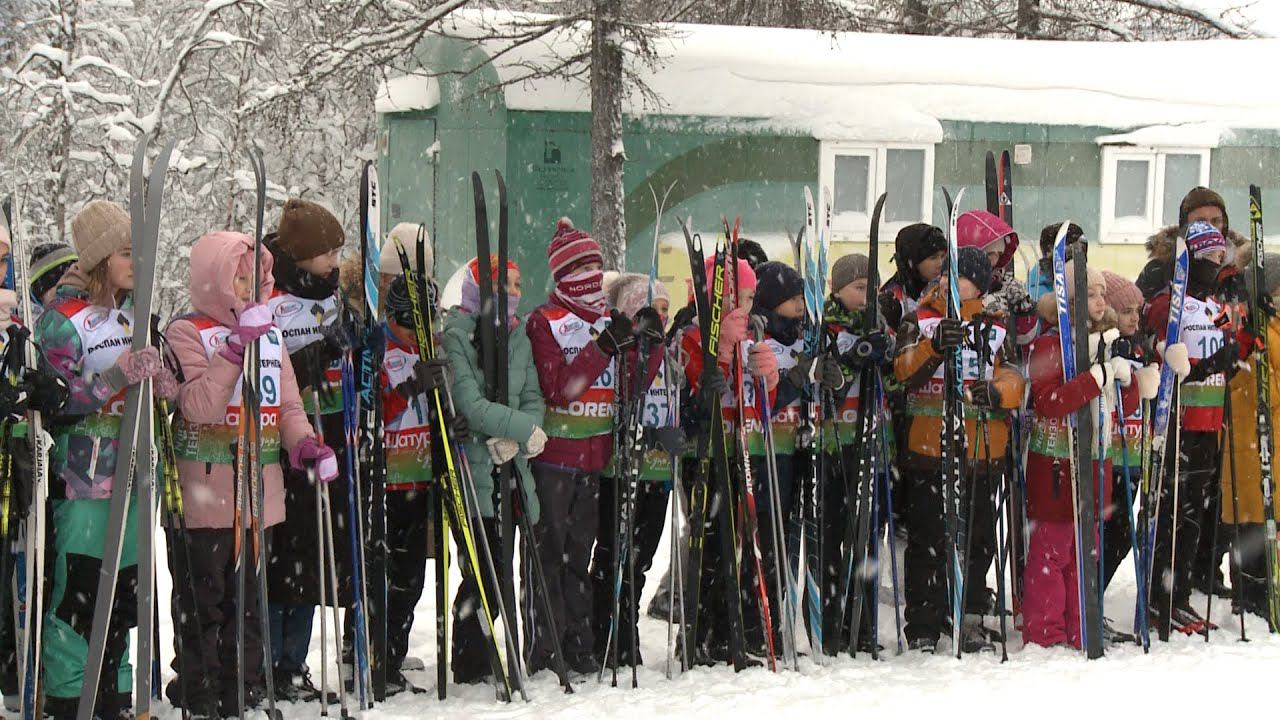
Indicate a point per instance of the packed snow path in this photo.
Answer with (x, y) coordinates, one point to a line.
(1181, 678)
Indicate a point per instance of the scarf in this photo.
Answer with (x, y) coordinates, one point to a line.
(583, 293)
(296, 281)
(471, 300)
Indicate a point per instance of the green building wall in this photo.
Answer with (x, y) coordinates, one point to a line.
(715, 166)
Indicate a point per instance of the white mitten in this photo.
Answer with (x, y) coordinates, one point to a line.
(536, 443)
(502, 450)
(1176, 356)
(1121, 370)
(1148, 378)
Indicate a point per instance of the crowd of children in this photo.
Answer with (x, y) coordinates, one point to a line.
(609, 365)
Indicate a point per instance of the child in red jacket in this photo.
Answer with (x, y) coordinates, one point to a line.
(1050, 605)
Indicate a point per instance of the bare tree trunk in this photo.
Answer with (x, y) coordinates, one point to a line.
(61, 156)
(915, 19)
(1028, 18)
(608, 223)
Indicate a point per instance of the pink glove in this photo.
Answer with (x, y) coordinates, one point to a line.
(135, 367)
(313, 451)
(733, 330)
(255, 321)
(165, 384)
(763, 364)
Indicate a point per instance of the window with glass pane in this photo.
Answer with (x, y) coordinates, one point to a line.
(853, 174)
(1131, 188)
(1181, 173)
(905, 185)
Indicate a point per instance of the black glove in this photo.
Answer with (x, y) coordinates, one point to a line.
(670, 439)
(828, 373)
(460, 430)
(874, 347)
(949, 335)
(1126, 348)
(984, 395)
(712, 385)
(46, 389)
(618, 337)
(1223, 360)
(311, 362)
(648, 325)
(13, 400)
(427, 376)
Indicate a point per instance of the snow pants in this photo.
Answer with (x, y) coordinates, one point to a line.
(650, 519)
(926, 577)
(753, 625)
(79, 530)
(564, 537)
(1116, 540)
(1051, 595)
(205, 623)
(1197, 481)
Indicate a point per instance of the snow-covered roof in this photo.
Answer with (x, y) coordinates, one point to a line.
(416, 91)
(898, 87)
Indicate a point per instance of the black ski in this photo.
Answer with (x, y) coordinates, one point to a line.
(1086, 482)
(862, 494)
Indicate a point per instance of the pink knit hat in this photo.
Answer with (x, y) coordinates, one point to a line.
(746, 276)
(1121, 293)
(570, 249)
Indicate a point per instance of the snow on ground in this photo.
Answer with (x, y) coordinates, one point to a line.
(1178, 679)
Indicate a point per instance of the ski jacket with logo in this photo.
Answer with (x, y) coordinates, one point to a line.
(208, 399)
(82, 341)
(1049, 457)
(919, 368)
(578, 385)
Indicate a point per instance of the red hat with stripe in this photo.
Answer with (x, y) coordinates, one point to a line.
(570, 249)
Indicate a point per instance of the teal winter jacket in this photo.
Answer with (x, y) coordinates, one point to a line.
(515, 420)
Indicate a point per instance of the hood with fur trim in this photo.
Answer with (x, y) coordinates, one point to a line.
(1160, 246)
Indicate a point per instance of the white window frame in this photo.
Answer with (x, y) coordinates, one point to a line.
(856, 227)
(1136, 231)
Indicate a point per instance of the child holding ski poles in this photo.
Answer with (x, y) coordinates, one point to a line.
(926, 338)
(1124, 304)
(406, 384)
(629, 294)
(84, 335)
(1204, 358)
(1051, 601)
(210, 345)
(778, 314)
(855, 350)
(576, 344)
(499, 431)
(711, 398)
(22, 389)
(305, 250)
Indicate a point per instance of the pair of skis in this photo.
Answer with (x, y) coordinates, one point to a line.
(861, 569)
(1073, 334)
(813, 273)
(999, 191)
(26, 358)
(136, 460)
(713, 461)
(1263, 376)
(494, 329)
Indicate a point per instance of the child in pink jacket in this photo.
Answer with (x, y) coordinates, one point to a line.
(210, 345)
